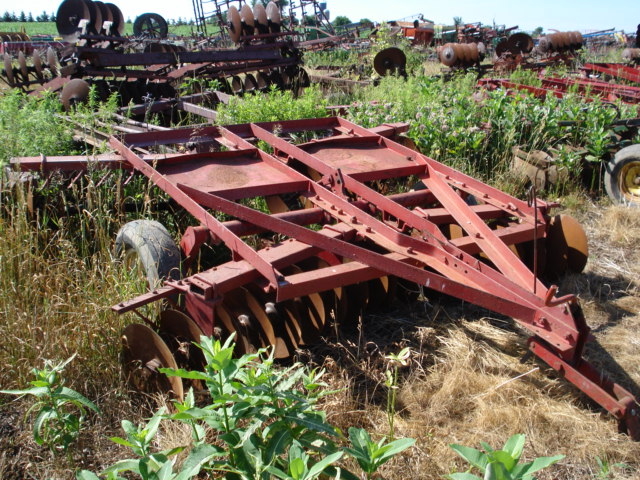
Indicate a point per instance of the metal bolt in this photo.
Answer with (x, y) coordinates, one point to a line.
(410, 250)
(354, 220)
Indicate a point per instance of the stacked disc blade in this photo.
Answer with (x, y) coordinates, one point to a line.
(248, 22)
(95, 17)
(560, 42)
(461, 54)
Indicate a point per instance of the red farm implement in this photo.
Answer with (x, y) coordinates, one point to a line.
(340, 243)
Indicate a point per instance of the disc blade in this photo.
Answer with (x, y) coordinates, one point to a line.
(260, 17)
(248, 22)
(37, 65)
(250, 83)
(389, 60)
(8, 70)
(273, 16)
(74, 92)
(52, 61)
(117, 27)
(181, 334)
(143, 354)
(68, 17)
(22, 62)
(234, 24)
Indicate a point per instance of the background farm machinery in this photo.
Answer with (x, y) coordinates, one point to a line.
(313, 238)
(145, 69)
(620, 170)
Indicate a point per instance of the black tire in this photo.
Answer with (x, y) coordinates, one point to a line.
(150, 25)
(150, 243)
(622, 177)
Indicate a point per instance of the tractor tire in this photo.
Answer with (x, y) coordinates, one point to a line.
(150, 25)
(622, 177)
(150, 243)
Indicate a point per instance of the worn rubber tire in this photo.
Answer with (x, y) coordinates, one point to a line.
(150, 25)
(155, 249)
(615, 183)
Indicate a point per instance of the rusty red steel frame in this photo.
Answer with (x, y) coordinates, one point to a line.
(359, 232)
(560, 87)
(617, 70)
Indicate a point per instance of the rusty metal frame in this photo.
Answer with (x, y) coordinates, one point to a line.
(412, 245)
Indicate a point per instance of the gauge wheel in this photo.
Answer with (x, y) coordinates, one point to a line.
(622, 177)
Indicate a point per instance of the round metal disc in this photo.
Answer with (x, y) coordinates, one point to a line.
(579, 39)
(95, 18)
(37, 65)
(448, 55)
(250, 83)
(474, 55)
(263, 81)
(75, 91)
(70, 12)
(52, 61)
(24, 71)
(8, 70)
(117, 28)
(389, 60)
(225, 321)
(237, 85)
(248, 22)
(567, 245)
(180, 333)
(273, 15)
(105, 15)
(520, 43)
(502, 47)
(304, 79)
(544, 44)
(260, 17)
(466, 52)
(143, 354)
(234, 24)
(276, 78)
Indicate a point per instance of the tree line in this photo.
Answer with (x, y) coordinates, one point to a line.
(27, 17)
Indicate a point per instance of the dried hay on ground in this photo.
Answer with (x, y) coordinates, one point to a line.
(467, 384)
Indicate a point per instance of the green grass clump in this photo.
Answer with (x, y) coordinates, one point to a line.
(274, 106)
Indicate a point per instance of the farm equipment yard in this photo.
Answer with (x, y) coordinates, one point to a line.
(442, 220)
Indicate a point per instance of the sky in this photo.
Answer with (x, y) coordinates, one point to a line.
(560, 15)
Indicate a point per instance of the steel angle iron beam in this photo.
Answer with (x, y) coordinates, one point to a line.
(255, 295)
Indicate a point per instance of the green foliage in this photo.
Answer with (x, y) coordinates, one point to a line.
(607, 470)
(60, 410)
(265, 422)
(372, 455)
(29, 127)
(273, 106)
(501, 464)
(391, 381)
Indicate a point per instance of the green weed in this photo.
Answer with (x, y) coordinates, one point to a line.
(501, 464)
(60, 410)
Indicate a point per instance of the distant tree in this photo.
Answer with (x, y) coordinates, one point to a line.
(538, 31)
(341, 20)
(52, 17)
(6, 17)
(457, 21)
(30, 17)
(129, 20)
(365, 20)
(22, 17)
